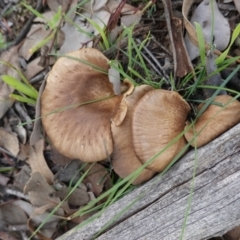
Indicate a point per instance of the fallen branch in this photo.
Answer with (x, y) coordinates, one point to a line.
(160, 213)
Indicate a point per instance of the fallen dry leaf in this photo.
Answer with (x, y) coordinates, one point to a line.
(3, 180)
(33, 68)
(203, 16)
(48, 229)
(41, 193)
(126, 9)
(58, 158)
(24, 152)
(39, 190)
(71, 172)
(93, 6)
(10, 57)
(115, 9)
(22, 177)
(37, 34)
(71, 32)
(13, 122)
(237, 5)
(72, 10)
(36, 134)
(37, 161)
(12, 214)
(78, 198)
(182, 63)
(97, 178)
(9, 141)
(101, 18)
(55, 4)
(127, 17)
(29, 209)
(7, 236)
(81, 30)
(46, 16)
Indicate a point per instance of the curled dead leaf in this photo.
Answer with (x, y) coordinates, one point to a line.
(37, 34)
(97, 178)
(203, 15)
(41, 194)
(182, 63)
(9, 141)
(37, 161)
(11, 58)
(55, 4)
(78, 198)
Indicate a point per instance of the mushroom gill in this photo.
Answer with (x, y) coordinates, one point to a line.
(159, 117)
(124, 159)
(215, 120)
(77, 105)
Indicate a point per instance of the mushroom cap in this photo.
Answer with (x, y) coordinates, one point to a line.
(158, 118)
(124, 159)
(76, 129)
(214, 121)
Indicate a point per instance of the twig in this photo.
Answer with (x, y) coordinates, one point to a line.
(162, 47)
(25, 29)
(17, 194)
(163, 72)
(39, 77)
(7, 152)
(23, 114)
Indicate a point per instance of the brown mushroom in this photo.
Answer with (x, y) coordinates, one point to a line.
(77, 106)
(214, 121)
(159, 117)
(124, 159)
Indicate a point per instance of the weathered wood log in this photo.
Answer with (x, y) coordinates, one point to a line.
(160, 212)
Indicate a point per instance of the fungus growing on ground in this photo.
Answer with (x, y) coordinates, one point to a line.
(78, 129)
(159, 117)
(124, 159)
(85, 120)
(215, 120)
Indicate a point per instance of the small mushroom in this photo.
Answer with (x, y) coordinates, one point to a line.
(158, 118)
(77, 105)
(124, 159)
(214, 121)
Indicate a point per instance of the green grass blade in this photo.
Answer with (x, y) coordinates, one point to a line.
(201, 42)
(101, 32)
(192, 186)
(6, 169)
(53, 23)
(20, 74)
(235, 34)
(32, 10)
(42, 43)
(129, 49)
(21, 87)
(23, 99)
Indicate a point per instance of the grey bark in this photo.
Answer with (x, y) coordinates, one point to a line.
(160, 212)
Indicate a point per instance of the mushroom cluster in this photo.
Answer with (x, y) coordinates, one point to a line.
(85, 120)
